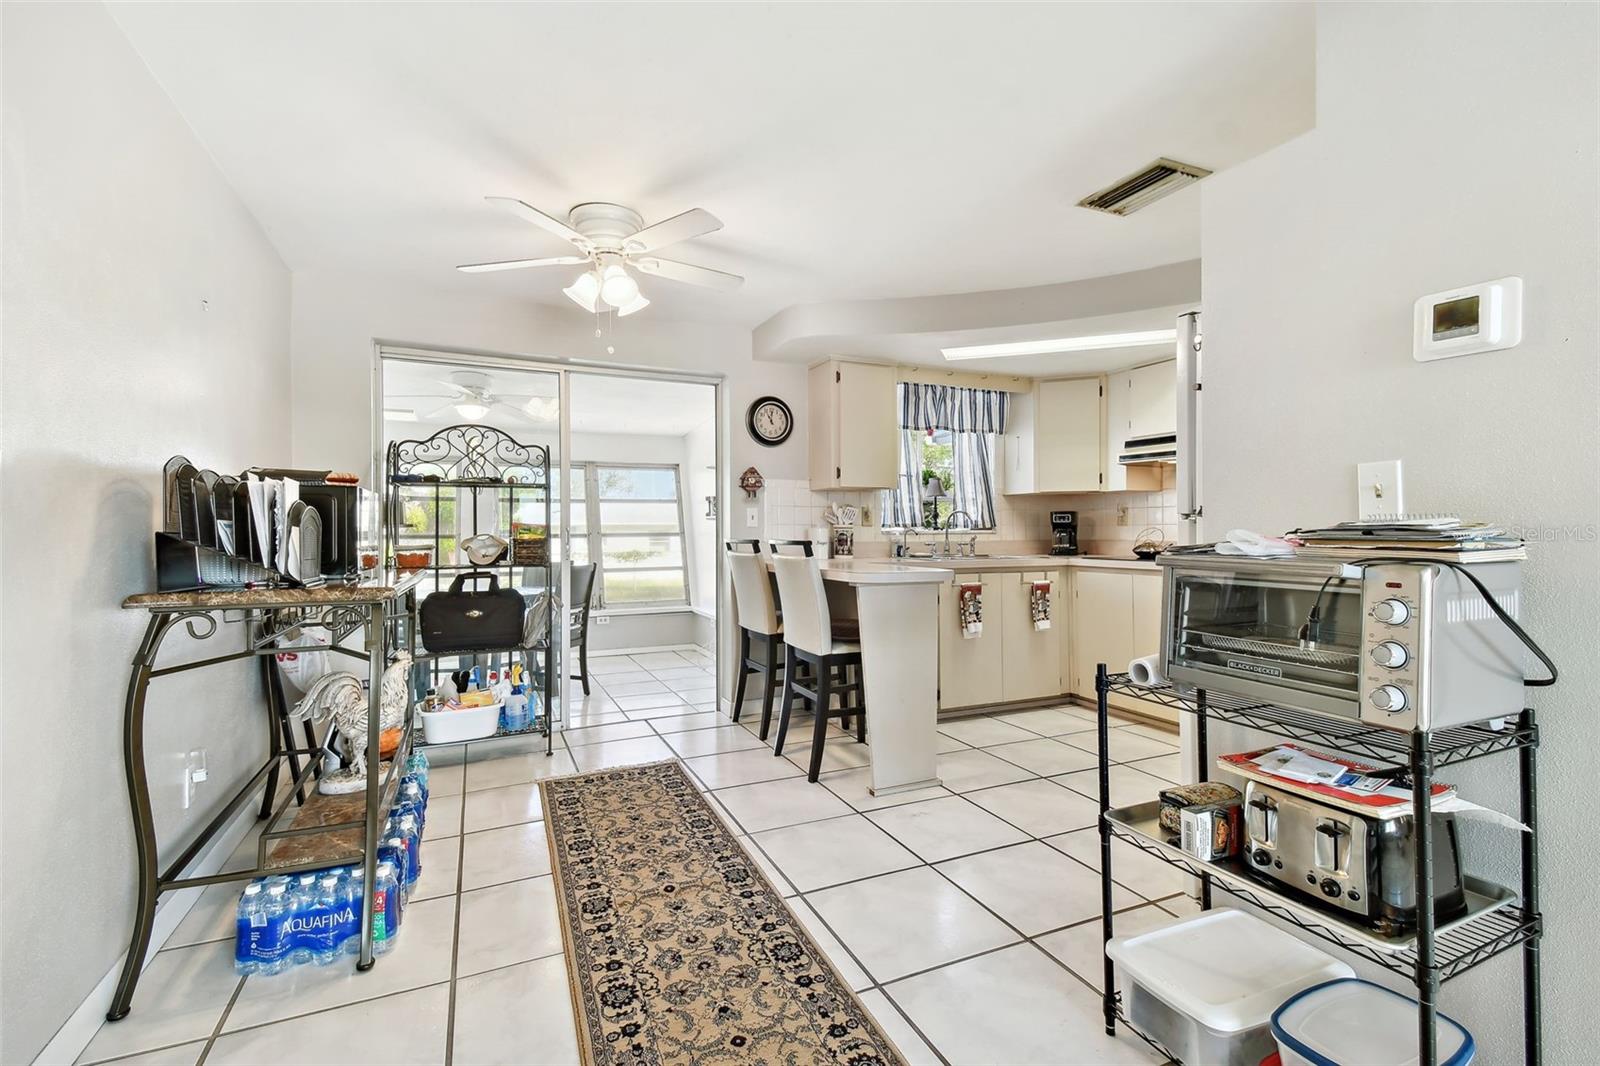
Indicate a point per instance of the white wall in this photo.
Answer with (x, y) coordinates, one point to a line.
(146, 314)
(700, 454)
(1454, 143)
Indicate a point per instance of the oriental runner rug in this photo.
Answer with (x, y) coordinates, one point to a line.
(678, 948)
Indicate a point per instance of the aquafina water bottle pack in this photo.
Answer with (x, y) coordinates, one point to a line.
(315, 916)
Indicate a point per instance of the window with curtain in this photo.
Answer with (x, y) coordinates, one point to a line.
(947, 446)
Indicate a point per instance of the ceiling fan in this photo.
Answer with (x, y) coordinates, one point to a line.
(474, 398)
(610, 238)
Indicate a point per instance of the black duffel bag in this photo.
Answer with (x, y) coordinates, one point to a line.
(457, 620)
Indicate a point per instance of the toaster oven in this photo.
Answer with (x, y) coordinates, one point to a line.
(1360, 864)
(1404, 645)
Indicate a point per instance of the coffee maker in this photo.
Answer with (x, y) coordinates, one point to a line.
(1063, 532)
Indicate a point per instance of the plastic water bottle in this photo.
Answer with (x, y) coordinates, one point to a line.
(356, 898)
(417, 766)
(302, 923)
(411, 835)
(333, 916)
(393, 852)
(413, 794)
(386, 909)
(269, 935)
(250, 916)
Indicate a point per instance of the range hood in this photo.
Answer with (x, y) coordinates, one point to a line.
(1155, 449)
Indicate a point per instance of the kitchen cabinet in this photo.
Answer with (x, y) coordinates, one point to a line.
(971, 668)
(852, 425)
(1031, 658)
(1102, 624)
(1116, 617)
(1139, 402)
(1153, 399)
(1055, 439)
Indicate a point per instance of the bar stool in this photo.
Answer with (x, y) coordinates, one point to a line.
(758, 618)
(810, 638)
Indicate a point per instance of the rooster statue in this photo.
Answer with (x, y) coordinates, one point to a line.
(340, 697)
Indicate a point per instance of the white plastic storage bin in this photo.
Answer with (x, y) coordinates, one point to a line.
(453, 727)
(1358, 1023)
(1206, 986)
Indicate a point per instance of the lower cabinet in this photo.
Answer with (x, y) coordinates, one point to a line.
(970, 668)
(1031, 657)
(1116, 617)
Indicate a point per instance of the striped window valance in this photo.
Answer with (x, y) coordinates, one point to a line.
(957, 409)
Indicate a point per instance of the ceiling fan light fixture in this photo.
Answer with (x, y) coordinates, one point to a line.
(639, 304)
(585, 292)
(471, 411)
(617, 287)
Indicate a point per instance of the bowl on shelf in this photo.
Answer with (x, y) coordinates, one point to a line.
(413, 560)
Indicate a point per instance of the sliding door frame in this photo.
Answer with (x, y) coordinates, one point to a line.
(564, 369)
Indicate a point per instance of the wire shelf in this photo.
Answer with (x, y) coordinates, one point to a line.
(1391, 746)
(1458, 947)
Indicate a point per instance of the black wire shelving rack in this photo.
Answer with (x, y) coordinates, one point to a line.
(494, 484)
(1428, 955)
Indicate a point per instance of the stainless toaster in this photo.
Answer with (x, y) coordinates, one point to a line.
(1356, 863)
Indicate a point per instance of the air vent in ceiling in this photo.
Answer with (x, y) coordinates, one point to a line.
(1138, 190)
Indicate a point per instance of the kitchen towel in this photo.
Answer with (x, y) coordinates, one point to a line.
(969, 606)
(1039, 604)
(1146, 671)
(1246, 542)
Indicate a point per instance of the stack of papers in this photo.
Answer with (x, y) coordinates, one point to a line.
(1442, 533)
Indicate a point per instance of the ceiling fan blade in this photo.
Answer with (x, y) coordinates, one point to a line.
(441, 409)
(529, 213)
(693, 223)
(673, 270)
(518, 264)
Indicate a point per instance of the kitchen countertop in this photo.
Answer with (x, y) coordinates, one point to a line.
(854, 571)
(1013, 563)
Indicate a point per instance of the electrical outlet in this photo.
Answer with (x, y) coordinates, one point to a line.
(194, 774)
(601, 619)
(1122, 514)
(1378, 489)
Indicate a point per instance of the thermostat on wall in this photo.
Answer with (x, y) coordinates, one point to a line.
(1465, 321)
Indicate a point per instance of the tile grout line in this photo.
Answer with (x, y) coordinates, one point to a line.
(455, 936)
(222, 1020)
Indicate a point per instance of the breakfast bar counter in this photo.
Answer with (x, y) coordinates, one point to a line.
(897, 608)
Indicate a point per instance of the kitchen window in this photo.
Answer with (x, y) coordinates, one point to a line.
(628, 519)
(948, 439)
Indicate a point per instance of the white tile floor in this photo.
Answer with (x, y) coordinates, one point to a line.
(966, 915)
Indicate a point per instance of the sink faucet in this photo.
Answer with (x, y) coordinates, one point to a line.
(951, 517)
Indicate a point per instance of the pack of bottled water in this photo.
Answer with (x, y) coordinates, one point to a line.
(315, 916)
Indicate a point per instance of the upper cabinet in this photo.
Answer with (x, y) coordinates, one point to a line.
(1153, 399)
(852, 425)
(1054, 440)
(1141, 402)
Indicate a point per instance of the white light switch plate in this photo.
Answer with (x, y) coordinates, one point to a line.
(750, 517)
(1378, 489)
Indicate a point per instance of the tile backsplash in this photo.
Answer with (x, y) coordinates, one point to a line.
(1108, 522)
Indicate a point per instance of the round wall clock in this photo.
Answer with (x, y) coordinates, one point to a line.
(770, 421)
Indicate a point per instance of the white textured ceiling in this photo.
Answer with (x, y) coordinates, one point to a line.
(852, 151)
